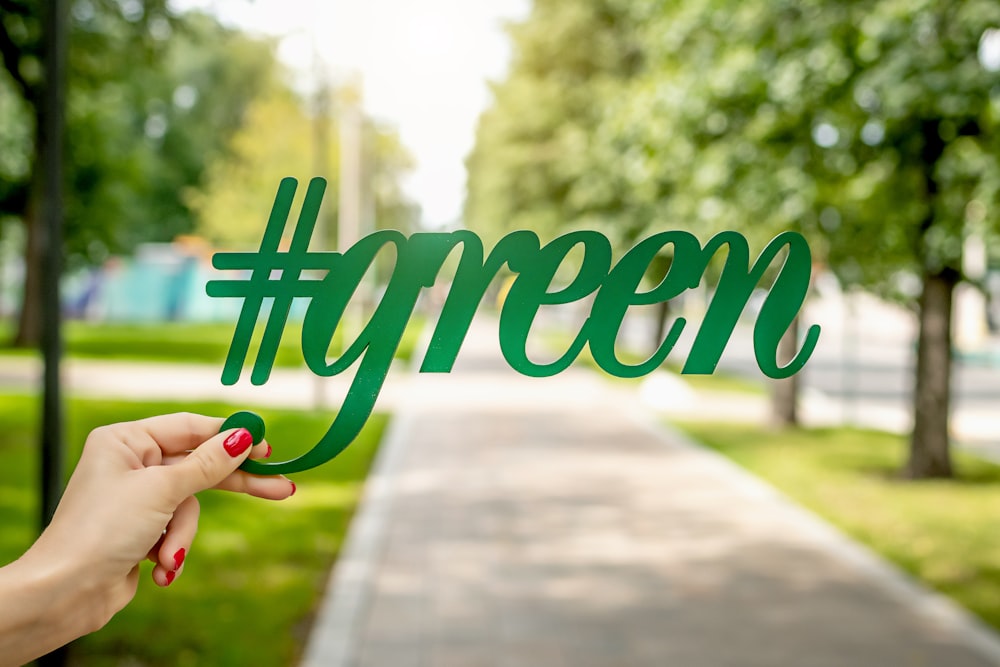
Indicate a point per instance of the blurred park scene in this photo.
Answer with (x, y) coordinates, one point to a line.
(574, 520)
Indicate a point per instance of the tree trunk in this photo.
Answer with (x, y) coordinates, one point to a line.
(29, 323)
(929, 446)
(785, 392)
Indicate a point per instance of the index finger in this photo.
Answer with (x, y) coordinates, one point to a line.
(181, 431)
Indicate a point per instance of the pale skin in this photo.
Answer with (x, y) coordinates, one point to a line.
(131, 498)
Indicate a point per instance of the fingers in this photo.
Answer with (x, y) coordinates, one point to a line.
(153, 554)
(270, 487)
(176, 542)
(179, 432)
(261, 451)
(206, 466)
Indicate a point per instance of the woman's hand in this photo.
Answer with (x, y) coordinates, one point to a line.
(131, 497)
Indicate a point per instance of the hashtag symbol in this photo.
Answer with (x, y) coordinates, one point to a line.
(262, 284)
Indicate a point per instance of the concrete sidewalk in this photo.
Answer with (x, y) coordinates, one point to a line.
(517, 521)
(168, 380)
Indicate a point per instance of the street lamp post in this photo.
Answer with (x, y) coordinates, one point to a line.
(50, 136)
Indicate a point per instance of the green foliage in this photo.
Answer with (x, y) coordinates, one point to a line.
(140, 136)
(869, 126)
(15, 149)
(189, 343)
(256, 569)
(385, 162)
(865, 125)
(940, 531)
(529, 161)
(275, 141)
(152, 96)
(279, 138)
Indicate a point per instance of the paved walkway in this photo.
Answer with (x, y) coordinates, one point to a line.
(519, 521)
(515, 521)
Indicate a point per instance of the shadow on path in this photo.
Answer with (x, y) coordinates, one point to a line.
(520, 521)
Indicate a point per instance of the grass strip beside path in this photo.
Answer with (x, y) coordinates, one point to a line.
(942, 532)
(256, 569)
(187, 342)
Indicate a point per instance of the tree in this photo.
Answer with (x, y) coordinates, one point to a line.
(714, 133)
(531, 145)
(868, 126)
(151, 97)
(277, 140)
(592, 129)
(920, 127)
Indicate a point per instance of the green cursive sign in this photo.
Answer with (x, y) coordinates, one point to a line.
(419, 258)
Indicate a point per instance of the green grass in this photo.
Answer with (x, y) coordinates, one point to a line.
(256, 569)
(943, 532)
(185, 342)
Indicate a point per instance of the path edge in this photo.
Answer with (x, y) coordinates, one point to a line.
(926, 602)
(334, 637)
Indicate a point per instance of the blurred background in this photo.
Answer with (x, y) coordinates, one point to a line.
(872, 128)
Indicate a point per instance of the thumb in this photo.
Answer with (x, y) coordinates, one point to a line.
(209, 463)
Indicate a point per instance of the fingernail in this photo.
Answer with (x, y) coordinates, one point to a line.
(170, 577)
(238, 442)
(267, 452)
(179, 559)
(293, 488)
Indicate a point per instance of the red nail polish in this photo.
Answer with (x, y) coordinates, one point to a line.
(170, 577)
(293, 488)
(179, 558)
(267, 452)
(238, 442)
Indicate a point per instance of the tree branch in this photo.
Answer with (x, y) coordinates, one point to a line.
(11, 55)
(15, 7)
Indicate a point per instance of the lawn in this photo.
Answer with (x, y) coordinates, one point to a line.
(185, 342)
(943, 532)
(256, 569)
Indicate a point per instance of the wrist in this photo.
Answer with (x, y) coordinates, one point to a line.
(34, 618)
(52, 603)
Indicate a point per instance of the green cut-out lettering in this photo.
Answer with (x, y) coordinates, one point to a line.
(419, 259)
(530, 291)
(619, 292)
(471, 280)
(735, 286)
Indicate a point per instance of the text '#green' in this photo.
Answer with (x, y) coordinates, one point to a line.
(419, 258)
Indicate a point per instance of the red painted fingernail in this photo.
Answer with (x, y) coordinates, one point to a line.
(170, 577)
(267, 452)
(238, 442)
(179, 559)
(293, 488)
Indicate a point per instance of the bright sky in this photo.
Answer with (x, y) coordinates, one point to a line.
(424, 67)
